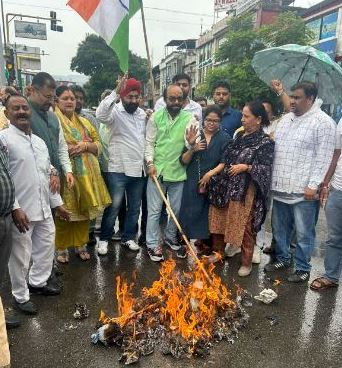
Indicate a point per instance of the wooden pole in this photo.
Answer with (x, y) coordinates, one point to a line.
(189, 247)
(149, 63)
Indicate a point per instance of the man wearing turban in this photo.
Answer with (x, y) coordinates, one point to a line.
(126, 125)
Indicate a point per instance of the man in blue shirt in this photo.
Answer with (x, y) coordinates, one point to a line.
(231, 119)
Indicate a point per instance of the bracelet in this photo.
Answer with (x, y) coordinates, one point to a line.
(150, 164)
(280, 93)
(86, 146)
(54, 172)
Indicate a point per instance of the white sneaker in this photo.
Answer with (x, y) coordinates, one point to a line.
(131, 244)
(102, 247)
(244, 271)
(256, 255)
(230, 250)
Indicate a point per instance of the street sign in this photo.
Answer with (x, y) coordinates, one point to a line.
(225, 5)
(23, 49)
(29, 63)
(30, 30)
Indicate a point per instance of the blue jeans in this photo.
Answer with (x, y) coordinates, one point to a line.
(118, 184)
(300, 216)
(333, 252)
(154, 208)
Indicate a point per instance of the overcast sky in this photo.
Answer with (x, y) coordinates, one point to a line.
(162, 26)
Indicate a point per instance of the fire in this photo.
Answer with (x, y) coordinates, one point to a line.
(276, 282)
(186, 304)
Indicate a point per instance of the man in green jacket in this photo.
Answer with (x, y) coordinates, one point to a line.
(165, 141)
(45, 125)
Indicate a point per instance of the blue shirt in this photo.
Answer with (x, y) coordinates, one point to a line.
(231, 121)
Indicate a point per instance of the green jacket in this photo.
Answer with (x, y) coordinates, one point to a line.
(169, 144)
(46, 126)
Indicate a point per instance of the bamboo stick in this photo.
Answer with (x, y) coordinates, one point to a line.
(149, 63)
(189, 247)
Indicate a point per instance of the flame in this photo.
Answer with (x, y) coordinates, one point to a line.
(187, 303)
(276, 282)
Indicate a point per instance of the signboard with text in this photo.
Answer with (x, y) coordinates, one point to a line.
(329, 26)
(328, 47)
(225, 5)
(315, 27)
(30, 30)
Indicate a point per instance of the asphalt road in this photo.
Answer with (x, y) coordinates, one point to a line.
(308, 332)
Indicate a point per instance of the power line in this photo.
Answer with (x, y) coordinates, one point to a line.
(179, 12)
(70, 10)
(172, 21)
(150, 19)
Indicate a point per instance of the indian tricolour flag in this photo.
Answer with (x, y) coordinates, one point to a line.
(110, 19)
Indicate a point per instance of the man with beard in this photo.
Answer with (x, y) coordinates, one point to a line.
(165, 141)
(33, 229)
(80, 95)
(47, 127)
(231, 119)
(126, 126)
(184, 82)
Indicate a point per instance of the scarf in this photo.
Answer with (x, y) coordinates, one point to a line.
(257, 150)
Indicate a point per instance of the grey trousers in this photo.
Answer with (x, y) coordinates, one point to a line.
(5, 244)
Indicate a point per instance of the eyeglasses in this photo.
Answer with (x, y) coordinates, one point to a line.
(214, 121)
(174, 99)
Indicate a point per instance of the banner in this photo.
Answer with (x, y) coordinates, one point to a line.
(329, 47)
(315, 28)
(30, 30)
(225, 5)
(329, 26)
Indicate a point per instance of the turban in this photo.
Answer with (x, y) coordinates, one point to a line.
(130, 85)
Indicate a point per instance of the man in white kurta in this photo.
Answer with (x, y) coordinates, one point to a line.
(33, 229)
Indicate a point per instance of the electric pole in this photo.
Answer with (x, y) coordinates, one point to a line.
(3, 81)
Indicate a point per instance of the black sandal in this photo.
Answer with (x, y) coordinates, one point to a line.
(321, 283)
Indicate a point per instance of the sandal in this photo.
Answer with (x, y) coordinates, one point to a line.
(322, 283)
(213, 258)
(62, 257)
(82, 253)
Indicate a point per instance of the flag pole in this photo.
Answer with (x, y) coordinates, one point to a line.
(149, 63)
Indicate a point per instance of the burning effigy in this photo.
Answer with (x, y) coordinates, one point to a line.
(182, 314)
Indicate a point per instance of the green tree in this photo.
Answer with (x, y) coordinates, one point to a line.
(236, 54)
(97, 60)
(242, 40)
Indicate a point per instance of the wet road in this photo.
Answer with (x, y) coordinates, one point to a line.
(308, 332)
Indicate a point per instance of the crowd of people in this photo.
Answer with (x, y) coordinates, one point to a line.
(222, 169)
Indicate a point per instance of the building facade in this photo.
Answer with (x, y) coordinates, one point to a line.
(180, 58)
(325, 21)
(206, 47)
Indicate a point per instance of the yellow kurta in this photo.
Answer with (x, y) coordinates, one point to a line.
(89, 196)
(3, 119)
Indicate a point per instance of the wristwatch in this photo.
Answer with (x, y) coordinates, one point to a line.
(54, 172)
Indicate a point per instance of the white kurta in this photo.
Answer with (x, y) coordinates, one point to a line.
(29, 165)
(126, 136)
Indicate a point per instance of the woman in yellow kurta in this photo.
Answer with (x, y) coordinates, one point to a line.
(89, 196)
